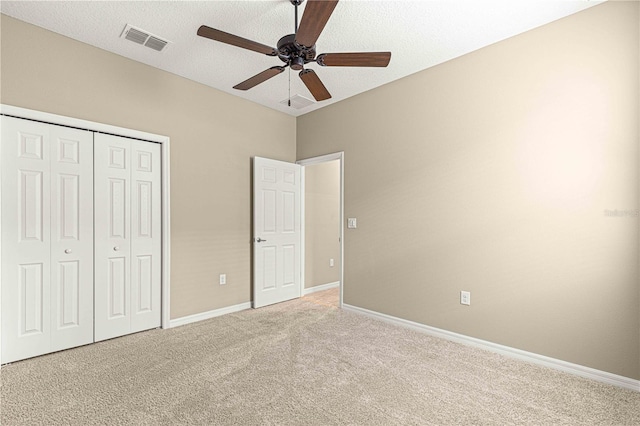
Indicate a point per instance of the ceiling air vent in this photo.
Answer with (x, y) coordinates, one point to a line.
(298, 102)
(143, 37)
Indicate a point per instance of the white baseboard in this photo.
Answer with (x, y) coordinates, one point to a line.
(209, 314)
(321, 287)
(236, 308)
(567, 367)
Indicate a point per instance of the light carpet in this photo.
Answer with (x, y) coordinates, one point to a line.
(299, 363)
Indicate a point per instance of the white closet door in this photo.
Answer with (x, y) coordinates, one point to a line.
(145, 236)
(26, 171)
(127, 236)
(71, 237)
(112, 174)
(47, 298)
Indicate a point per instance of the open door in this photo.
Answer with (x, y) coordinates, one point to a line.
(277, 227)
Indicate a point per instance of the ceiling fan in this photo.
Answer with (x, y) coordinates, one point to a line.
(298, 49)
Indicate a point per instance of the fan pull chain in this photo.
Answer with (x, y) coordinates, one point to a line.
(289, 100)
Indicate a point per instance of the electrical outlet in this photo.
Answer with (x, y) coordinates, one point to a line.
(465, 298)
(223, 279)
(352, 223)
(331, 262)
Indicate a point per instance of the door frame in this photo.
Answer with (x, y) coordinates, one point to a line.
(309, 162)
(45, 117)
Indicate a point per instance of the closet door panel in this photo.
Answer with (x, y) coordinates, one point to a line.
(145, 236)
(112, 172)
(71, 237)
(26, 266)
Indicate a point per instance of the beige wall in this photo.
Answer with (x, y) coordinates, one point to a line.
(491, 173)
(322, 223)
(211, 147)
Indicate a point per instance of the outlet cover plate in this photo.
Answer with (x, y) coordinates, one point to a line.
(465, 298)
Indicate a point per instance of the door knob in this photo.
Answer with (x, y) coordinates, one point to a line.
(260, 240)
(116, 248)
(67, 251)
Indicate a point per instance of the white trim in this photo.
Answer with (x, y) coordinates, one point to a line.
(80, 124)
(0, 261)
(303, 229)
(318, 160)
(166, 237)
(340, 303)
(556, 364)
(321, 159)
(130, 133)
(209, 314)
(321, 287)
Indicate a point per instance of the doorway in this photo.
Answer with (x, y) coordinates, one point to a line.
(322, 234)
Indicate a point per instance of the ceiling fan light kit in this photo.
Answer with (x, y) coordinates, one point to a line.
(298, 49)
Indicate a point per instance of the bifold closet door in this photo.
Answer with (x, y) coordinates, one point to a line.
(47, 238)
(127, 236)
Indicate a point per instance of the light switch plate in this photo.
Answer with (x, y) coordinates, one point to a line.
(352, 223)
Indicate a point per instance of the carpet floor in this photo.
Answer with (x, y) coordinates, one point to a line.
(303, 362)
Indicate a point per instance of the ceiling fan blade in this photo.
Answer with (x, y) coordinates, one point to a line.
(234, 40)
(259, 78)
(315, 86)
(315, 17)
(363, 59)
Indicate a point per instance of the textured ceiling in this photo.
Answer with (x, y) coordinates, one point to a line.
(420, 34)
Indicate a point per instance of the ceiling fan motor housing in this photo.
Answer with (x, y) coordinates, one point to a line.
(293, 54)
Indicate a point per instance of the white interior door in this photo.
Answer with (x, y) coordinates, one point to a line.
(127, 236)
(146, 241)
(277, 231)
(112, 174)
(26, 244)
(47, 238)
(71, 237)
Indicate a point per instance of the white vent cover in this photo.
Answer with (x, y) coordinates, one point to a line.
(144, 38)
(298, 102)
